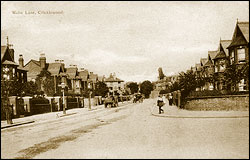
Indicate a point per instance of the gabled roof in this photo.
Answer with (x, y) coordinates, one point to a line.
(23, 69)
(10, 63)
(193, 69)
(220, 54)
(212, 54)
(198, 66)
(84, 75)
(224, 44)
(71, 72)
(209, 63)
(203, 61)
(241, 34)
(54, 68)
(113, 79)
(182, 73)
(32, 60)
(3, 51)
(93, 77)
(244, 28)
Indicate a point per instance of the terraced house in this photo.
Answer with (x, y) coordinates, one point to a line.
(56, 71)
(208, 70)
(73, 80)
(229, 52)
(221, 61)
(239, 52)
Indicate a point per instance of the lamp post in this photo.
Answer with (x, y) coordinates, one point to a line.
(6, 104)
(63, 87)
(90, 92)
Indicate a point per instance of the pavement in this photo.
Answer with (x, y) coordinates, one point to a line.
(45, 117)
(175, 112)
(129, 131)
(169, 112)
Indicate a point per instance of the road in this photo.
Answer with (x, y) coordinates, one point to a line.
(129, 131)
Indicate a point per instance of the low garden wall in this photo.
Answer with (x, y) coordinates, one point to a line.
(223, 102)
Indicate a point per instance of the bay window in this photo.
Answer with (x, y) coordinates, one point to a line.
(241, 54)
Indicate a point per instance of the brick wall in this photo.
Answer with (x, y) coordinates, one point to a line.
(232, 102)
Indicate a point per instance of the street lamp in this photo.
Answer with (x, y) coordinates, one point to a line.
(90, 92)
(63, 87)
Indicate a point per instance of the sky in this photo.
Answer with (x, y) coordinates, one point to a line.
(131, 38)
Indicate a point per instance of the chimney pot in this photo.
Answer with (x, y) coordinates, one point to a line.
(42, 60)
(21, 61)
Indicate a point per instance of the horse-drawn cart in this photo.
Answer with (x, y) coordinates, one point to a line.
(111, 102)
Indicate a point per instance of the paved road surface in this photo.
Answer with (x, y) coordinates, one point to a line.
(129, 132)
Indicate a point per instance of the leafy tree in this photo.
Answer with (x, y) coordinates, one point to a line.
(30, 88)
(146, 87)
(101, 89)
(46, 81)
(175, 86)
(234, 74)
(133, 87)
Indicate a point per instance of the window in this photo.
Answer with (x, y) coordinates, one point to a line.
(216, 69)
(211, 87)
(242, 85)
(77, 84)
(13, 71)
(222, 66)
(232, 57)
(241, 54)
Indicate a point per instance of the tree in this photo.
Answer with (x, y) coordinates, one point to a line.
(46, 82)
(101, 89)
(30, 88)
(133, 87)
(234, 74)
(146, 87)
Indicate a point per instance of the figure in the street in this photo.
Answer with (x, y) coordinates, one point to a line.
(134, 98)
(170, 99)
(160, 104)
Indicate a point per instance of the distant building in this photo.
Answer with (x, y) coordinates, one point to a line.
(92, 80)
(57, 70)
(73, 80)
(84, 75)
(221, 61)
(114, 84)
(208, 69)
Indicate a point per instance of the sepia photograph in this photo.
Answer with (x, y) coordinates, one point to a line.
(124, 80)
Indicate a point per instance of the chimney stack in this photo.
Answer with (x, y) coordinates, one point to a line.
(42, 60)
(73, 66)
(21, 61)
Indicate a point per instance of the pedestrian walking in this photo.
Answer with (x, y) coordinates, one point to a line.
(160, 103)
(170, 99)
